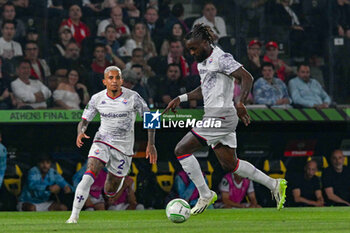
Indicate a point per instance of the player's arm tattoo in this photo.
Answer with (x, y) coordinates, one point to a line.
(151, 136)
(82, 126)
(196, 94)
(246, 82)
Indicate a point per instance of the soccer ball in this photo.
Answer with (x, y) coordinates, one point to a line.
(178, 210)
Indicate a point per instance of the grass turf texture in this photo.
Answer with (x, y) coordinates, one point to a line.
(330, 219)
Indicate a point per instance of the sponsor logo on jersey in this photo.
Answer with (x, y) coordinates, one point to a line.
(151, 120)
(113, 115)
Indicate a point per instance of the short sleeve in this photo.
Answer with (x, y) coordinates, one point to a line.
(90, 110)
(251, 187)
(140, 105)
(224, 185)
(227, 64)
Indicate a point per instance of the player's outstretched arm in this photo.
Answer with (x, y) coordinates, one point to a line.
(82, 127)
(246, 85)
(196, 94)
(151, 151)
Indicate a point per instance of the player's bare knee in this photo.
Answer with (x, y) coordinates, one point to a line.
(94, 165)
(179, 150)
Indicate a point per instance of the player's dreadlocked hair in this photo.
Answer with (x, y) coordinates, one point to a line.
(201, 31)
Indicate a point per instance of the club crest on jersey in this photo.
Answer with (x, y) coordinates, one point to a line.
(125, 101)
(97, 151)
(210, 60)
(103, 102)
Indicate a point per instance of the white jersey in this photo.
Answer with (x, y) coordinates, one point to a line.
(117, 118)
(217, 86)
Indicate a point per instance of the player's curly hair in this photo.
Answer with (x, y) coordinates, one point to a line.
(201, 31)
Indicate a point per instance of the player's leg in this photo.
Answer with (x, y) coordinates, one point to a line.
(28, 207)
(184, 150)
(82, 192)
(99, 206)
(57, 207)
(230, 163)
(113, 185)
(184, 153)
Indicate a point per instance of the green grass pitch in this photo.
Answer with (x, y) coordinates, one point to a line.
(320, 220)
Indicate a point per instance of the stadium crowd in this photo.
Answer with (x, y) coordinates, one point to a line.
(53, 53)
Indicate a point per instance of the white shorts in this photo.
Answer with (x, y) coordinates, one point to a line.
(116, 162)
(225, 135)
(39, 206)
(98, 200)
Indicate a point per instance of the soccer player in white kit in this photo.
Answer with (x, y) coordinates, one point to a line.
(113, 143)
(217, 70)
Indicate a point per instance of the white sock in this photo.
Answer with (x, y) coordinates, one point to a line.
(193, 170)
(247, 170)
(81, 194)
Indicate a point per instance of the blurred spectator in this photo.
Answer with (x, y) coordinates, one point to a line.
(100, 63)
(177, 16)
(306, 91)
(269, 90)
(133, 82)
(110, 40)
(71, 94)
(7, 99)
(172, 86)
(253, 17)
(22, 8)
(287, 23)
(3, 159)
(306, 187)
(138, 58)
(234, 189)
(29, 93)
(39, 68)
(130, 7)
(42, 182)
(94, 9)
(175, 55)
(341, 17)
(336, 180)
(78, 28)
(8, 47)
(9, 14)
(140, 38)
(125, 198)
(271, 55)
(155, 26)
(143, 82)
(216, 23)
(253, 61)
(64, 37)
(237, 93)
(185, 188)
(117, 21)
(70, 60)
(176, 33)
